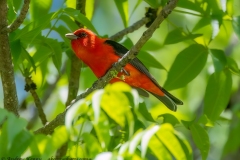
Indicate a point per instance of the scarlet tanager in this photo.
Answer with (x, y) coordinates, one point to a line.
(100, 54)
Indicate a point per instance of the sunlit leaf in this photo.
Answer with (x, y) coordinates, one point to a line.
(187, 148)
(167, 137)
(158, 149)
(38, 7)
(89, 9)
(116, 103)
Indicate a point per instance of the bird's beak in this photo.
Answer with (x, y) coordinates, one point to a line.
(71, 36)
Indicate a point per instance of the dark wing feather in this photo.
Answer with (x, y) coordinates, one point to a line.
(169, 100)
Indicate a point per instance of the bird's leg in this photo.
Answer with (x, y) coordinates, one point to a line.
(126, 72)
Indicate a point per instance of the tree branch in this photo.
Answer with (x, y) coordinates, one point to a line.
(74, 78)
(76, 65)
(31, 86)
(6, 67)
(103, 81)
(19, 20)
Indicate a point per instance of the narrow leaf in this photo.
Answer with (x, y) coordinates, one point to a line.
(219, 59)
(217, 94)
(201, 139)
(177, 35)
(236, 25)
(80, 18)
(122, 6)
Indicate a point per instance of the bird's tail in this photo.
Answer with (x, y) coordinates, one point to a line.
(169, 100)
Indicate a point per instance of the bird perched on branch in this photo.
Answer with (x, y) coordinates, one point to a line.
(101, 53)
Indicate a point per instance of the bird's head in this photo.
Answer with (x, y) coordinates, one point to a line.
(82, 37)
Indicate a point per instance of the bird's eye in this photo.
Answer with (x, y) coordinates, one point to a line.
(82, 35)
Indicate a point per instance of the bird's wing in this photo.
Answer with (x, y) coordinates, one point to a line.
(120, 50)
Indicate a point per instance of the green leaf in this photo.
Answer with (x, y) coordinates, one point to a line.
(150, 60)
(219, 59)
(151, 45)
(177, 35)
(30, 60)
(190, 5)
(9, 133)
(187, 148)
(169, 118)
(56, 52)
(236, 25)
(79, 108)
(145, 57)
(202, 23)
(102, 128)
(33, 29)
(122, 6)
(38, 7)
(167, 137)
(16, 51)
(153, 3)
(80, 18)
(187, 65)
(116, 104)
(20, 143)
(201, 139)
(232, 66)
(13, 8)
(217, 94)
(69, 22)
(233, 141)
(144, 112)
(92, 145)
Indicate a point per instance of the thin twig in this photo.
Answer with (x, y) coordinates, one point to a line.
(130, 29)
(19, 20)
(31, 86)
(103, 81)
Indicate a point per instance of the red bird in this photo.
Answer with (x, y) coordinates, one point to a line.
(100, 54)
